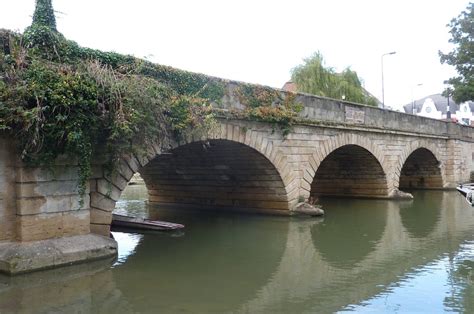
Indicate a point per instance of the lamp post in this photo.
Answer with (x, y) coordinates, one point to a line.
(383, 95)
(449, 92)
(413, 102)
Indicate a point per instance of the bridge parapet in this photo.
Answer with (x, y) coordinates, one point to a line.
(327, 111)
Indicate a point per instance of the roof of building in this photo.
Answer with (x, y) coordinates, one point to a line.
(441, 104)
(290, 87)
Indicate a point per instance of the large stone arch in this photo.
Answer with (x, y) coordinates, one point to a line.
(105, 189)
(362, 145)
(427, 153)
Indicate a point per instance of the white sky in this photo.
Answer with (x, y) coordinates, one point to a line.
(260, 41)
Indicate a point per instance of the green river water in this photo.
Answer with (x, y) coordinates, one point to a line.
(363, 256)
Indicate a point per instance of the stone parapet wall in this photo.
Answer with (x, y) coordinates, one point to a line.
(338, 112)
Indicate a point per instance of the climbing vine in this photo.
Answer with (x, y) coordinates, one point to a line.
(58, 98)
(269, 105)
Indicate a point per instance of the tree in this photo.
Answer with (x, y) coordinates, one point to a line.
(315, 78)
(44, 14)
(462, 57)
(42, 32)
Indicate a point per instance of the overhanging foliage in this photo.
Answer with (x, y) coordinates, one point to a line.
(62, 99)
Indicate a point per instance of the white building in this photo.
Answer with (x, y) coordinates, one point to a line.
(435, 107)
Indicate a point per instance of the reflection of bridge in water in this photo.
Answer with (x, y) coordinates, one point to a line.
(296, 270)
(371, 257)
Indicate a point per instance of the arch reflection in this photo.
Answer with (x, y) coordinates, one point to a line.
(221, 256)
(348, 235)
(421, 215)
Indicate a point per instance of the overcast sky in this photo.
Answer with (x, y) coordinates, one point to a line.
(261, 41)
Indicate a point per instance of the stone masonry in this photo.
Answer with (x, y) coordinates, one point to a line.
(339, 149)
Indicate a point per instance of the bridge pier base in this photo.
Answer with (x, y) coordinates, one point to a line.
(24, 257)
(397, 194)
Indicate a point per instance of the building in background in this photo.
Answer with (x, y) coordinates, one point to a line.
(435, 107)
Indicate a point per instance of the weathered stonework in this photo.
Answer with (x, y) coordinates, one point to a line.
(23, 257)
(338, 148)
(7, 191)
(43, 222)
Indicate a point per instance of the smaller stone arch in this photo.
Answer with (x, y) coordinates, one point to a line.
(420, 167)
(348, 165)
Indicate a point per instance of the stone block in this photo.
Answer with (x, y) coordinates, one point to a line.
(39, 227)
(99, 216)
(93, 185)
(55, 225)
(133, 163)
(248, 136)
(76, 223)
(51, 204)
(117, 179)
(254, 138)
(17, 257)
(101, 201)
(60, 173)
(229, 131)
(106, 188)
(305, 185)
(7, 228)
(223, 131)
(142, 160)
(125, 170)
(268, 149)
(48, 188)
(103, 230)
(7, 199)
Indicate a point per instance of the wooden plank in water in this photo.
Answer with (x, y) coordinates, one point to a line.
(143, 224)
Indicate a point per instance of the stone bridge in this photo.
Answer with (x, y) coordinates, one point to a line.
(338, 149)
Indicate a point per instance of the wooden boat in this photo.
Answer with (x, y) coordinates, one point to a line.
(143, 224)
(467, 190)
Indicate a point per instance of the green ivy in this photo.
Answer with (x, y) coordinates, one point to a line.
(269, 105)
(44, 15)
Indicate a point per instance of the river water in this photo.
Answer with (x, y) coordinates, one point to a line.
(363, 256)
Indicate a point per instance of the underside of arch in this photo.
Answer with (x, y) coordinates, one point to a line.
(421, 171)
(218, 174)
(350, 171)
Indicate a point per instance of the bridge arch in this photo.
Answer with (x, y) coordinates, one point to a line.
(348, 165)
(216, 174)
(420, 167)
(248, 172)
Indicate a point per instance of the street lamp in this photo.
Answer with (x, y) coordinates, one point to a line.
(413, 101)
(383, 96)
(449, 92)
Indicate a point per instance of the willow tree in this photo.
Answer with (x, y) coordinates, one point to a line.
(462, 56)
(315, 78)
